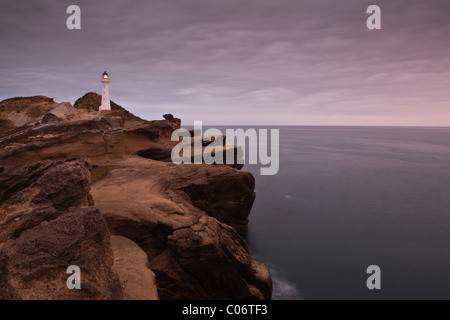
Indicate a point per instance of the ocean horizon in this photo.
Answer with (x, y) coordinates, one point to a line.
(347, 197)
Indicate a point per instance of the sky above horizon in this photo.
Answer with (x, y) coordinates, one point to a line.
(242, 62)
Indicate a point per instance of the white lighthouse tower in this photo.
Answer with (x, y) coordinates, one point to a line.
(106, 104)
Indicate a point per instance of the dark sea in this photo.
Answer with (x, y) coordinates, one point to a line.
(346, 198)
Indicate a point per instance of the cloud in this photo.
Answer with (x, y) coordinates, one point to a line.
(236, 61)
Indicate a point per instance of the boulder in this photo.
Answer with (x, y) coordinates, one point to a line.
(40, 256)
(48, 223)
(59, 185)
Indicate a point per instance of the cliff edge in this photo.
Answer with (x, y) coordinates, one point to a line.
(76, 190)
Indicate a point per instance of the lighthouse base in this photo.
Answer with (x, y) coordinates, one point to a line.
(104, 111)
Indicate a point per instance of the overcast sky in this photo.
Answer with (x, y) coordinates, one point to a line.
(281, 62)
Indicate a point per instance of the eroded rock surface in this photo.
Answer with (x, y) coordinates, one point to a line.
(131, 264)
(173, 226)
(47, 225)
(193, 255)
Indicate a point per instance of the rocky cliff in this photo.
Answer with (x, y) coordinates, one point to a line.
(77, 190)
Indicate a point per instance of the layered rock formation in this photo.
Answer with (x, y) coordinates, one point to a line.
(85, 192)
(32, 111)
(185, 246)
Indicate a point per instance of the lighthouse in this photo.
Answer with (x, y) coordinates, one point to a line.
(106, 104)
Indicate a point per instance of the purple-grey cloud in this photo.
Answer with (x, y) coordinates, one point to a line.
(237, 61)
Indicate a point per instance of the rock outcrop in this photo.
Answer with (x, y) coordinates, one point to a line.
(48, 224)
(101, 139)
(226, 195)
(100, 192)
(91, 102)
(31, 111)
(193, 255)
(23, 110)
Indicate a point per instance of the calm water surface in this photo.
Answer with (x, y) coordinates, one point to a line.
(349, 197)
